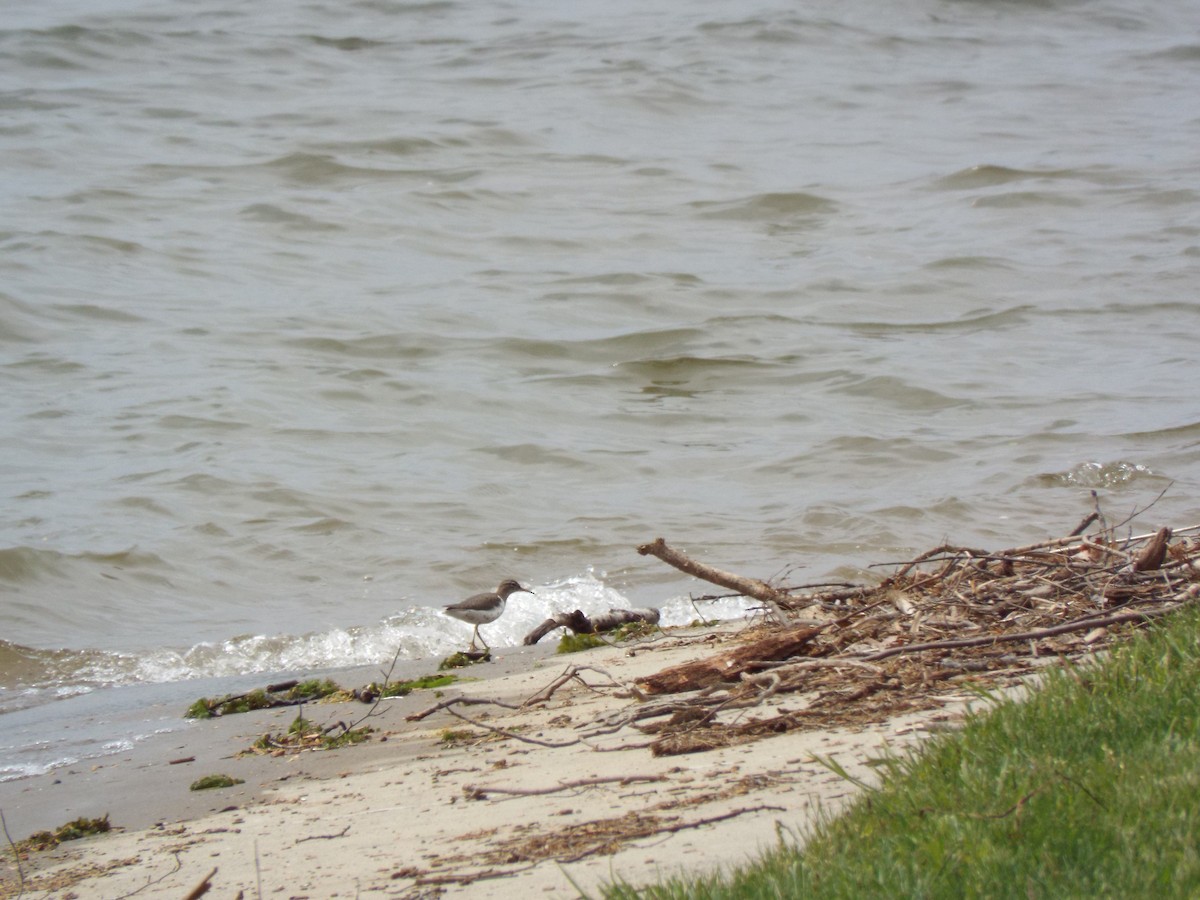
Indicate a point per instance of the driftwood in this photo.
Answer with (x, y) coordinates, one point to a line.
(1154, 553)
(750, 587)
(942, 623)
(202, 888)
(950, 614)
(731, 665)
(581, 624)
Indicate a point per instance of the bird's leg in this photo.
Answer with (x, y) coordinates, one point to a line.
(481, 640)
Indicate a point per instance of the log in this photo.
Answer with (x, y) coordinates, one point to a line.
(729, 666)
(581, 624)
(573, 620)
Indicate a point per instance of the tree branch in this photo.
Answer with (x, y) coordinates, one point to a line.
(748, 587)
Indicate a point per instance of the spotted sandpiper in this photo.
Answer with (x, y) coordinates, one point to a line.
(484, 608)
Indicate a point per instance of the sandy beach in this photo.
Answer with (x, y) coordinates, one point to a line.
(443, 807)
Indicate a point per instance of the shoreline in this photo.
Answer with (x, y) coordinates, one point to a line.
(410, 813)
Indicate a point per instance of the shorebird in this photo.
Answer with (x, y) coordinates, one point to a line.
(484, 608)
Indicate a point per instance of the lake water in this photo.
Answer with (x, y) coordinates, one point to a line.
(316, 317)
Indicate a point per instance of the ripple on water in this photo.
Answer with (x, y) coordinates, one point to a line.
(1092, 474)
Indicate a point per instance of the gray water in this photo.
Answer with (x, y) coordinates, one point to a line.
(316, 317)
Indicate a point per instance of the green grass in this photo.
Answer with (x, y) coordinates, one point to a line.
(1089, 788)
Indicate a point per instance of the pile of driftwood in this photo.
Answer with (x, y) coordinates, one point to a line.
(952, 619)
(862, 654)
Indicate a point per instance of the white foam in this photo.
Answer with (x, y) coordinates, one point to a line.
(413, 633)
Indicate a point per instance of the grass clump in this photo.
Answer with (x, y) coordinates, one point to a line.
(303, 691)
(209, 782)
(206, 708)
(633, 630)
(347, 738)
(574, 643)
(1088, 788)
(71, 831)
(403, 688)
(303, 734)
(314, 689)
(462, 659)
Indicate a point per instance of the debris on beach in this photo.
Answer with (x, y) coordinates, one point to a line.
(952, 620)
(212, 782)
(952, 616)
(622, 622)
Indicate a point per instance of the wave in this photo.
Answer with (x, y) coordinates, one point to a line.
(986, 175)
(270, 214)
(769, 207)
(30, 676)
(26, 565)
(986, 321)
(1021, 199)
(899, 394)
(1094, 474)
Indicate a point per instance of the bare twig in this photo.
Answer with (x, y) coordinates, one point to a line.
(324, 837)
(1015, 808)
(456, 701)
(1077, 625)
(675, 827)
(481, 791)
(571, 673)
(1071, 539)
(504, 732)
(1085, 524)
(16, 855)
(954, 552)
(1137, 512)
(472, 877)
(150, 882)
(782, 667)
(1100, 514)
(374, 710)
